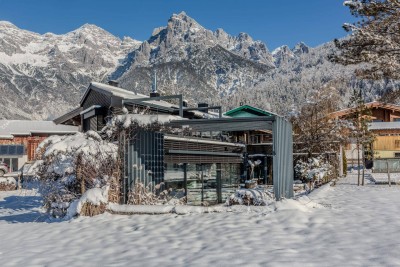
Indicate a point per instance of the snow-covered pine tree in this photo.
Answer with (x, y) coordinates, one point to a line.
(375, 39)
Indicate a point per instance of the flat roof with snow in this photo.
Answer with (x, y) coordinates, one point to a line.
(11, 128)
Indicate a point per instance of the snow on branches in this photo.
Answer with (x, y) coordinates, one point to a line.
(315, 170)
(70, 165)
(375, 39)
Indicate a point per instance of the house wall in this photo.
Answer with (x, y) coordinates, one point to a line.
(30, 144)
(385, 153)
(385, 115)
(387, 143)
(352, 153)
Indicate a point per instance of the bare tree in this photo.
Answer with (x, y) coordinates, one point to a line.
(315, 131)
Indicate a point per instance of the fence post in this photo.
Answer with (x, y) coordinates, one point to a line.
(388, 172)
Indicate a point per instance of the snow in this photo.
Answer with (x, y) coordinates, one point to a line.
(353, 226)
(7, 180)
(95, 196)
(143, 119)
(383, 178)
(26, 59)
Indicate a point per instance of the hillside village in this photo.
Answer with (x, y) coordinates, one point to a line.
(208, 175)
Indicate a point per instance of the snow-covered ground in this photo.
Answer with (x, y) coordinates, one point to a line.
(383, 178)
(351, 226)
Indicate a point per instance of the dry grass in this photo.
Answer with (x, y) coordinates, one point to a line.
(88, 209)
(7, 187)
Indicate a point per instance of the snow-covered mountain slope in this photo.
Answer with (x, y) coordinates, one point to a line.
(298, 72)
(191, 59)
(42, 76)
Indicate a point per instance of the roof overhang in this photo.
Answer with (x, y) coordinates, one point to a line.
(227, 124)
(370, 105)
(69, 117)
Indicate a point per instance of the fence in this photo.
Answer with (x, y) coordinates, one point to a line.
(381, 165)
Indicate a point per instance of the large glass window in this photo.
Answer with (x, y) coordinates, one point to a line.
(206, 184)
(11, 162)
(174, 179)
(230, 177)
(202, 184)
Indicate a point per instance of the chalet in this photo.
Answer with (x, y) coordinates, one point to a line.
(20, 138)
(385, 124)
(206, 163)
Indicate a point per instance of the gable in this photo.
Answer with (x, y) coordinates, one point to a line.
(247, 111)
(96, 98)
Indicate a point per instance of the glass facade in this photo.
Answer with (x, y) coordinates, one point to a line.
(205, 184)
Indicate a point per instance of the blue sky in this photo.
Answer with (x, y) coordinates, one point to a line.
(275, 22)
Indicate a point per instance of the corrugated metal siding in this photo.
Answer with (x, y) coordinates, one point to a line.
(283, 159)
(144, 159)
(93, 123)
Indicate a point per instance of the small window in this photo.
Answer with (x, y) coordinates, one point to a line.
(397, 143)
(377, 120)
(397, 155)
(396, 119)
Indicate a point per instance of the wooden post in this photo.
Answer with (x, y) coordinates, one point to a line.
(388, 172)
(19, 180)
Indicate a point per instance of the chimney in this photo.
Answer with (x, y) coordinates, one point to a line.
(154, 94)
(203, 105)
(184, 103)
(113, 83)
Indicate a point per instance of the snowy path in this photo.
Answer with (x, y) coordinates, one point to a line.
(359, 226)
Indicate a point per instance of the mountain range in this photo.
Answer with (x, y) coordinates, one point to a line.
(44, 75)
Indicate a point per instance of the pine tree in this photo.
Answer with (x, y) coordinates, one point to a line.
(375, 39)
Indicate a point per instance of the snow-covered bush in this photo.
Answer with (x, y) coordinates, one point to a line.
(91, 203)
(249, 197)
(7, 183)
(70, 165)
(315, 170)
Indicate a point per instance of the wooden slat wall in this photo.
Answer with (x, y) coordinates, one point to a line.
(386, 143)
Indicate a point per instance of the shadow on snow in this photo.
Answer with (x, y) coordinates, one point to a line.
(22, 209)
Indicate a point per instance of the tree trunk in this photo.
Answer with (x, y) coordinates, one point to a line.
(363, 163)
(358, 163)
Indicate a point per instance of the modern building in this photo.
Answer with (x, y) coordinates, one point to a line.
(101, 101)
(202, 157)
(20, 138)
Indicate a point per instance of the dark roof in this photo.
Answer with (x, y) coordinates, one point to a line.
(68, 116)
(110, 91)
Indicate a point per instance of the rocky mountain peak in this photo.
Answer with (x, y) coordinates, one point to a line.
(244, 37)
(282, 54)
(6, 24)
(301, 48)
